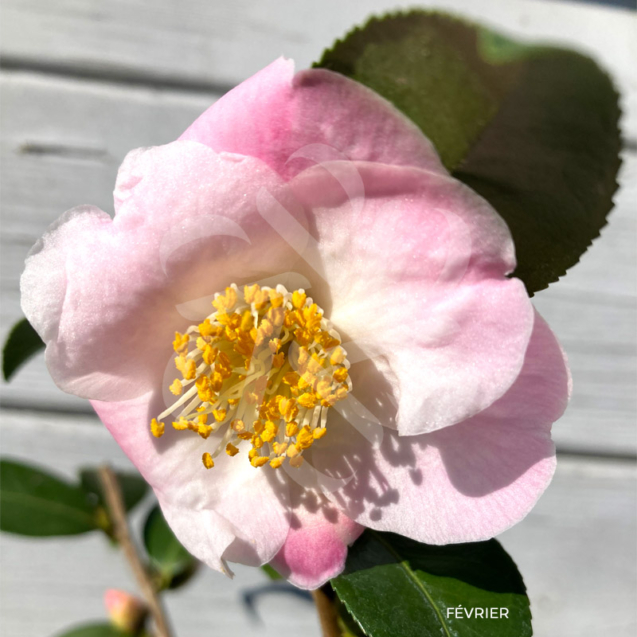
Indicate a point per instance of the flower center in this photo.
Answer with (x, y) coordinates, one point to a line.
(262, 370)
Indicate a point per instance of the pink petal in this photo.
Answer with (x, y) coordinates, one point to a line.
(275, 114)
(231, 512)
(415, 265)
(105, 294)
(464, 483)
(316, 546)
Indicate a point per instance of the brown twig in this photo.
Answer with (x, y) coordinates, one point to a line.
(327, 613)
(115, 504)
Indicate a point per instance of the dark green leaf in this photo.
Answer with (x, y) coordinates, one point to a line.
(395, 586)
(172, 561)
(533, 129)
(133, 487)
(95, 630)
(21, 344)
(36, 503)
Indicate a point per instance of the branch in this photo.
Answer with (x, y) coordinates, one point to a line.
(115, 503)
(327, 613)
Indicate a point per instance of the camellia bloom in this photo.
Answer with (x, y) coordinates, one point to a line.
(298, 325)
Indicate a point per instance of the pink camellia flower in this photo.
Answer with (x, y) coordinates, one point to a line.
(367, 361)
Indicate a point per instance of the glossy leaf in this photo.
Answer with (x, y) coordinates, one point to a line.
(22, 343)
(132, 485)
(34, 502)
(171, 560)
(95, 630)
(394, 586)
(533, 129)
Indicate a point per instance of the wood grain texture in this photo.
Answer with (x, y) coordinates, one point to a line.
(71, 156)
(575, 550)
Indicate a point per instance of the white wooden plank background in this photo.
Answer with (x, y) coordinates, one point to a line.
(85, 81)
(575, 549)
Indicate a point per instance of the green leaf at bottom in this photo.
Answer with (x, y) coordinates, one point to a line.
(395, 586)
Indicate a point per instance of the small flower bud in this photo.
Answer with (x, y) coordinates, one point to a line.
(125, 611)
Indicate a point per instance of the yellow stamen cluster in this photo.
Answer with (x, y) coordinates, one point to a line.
(262, 370)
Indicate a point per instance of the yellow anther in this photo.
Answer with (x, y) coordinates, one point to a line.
(261, 299)
(219, 414)
(303, 357)
(326, 340)
(204, 430)
(275, 463)
(257, 442)
(298, 299)
(276, 315)
(207, 460)
(290, 319)
(190, 370)
(307, 400)
(233, 401)
(202, 419)
(276, 299)
(291, 379)
(270, 432)
(225, 302)
(323, 388)
(206, 328)
(245, 435)
(209, 354)
(292, 451)
(253, 453)
(288, 409)
(181, 341)
(278, 360)
(181, 425)
(238, 425)
(176, 387)
(304, 438)
(291, 429)
(275, 345)
(250, 293)
(279, 447)
(180, 363)
(216, 380)
(340, 375)
(156, 428)
(337, 356)
(247, 321)
(231, 450)
(258, 461)
(258, 426)
(319, 432)
(296, 462)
